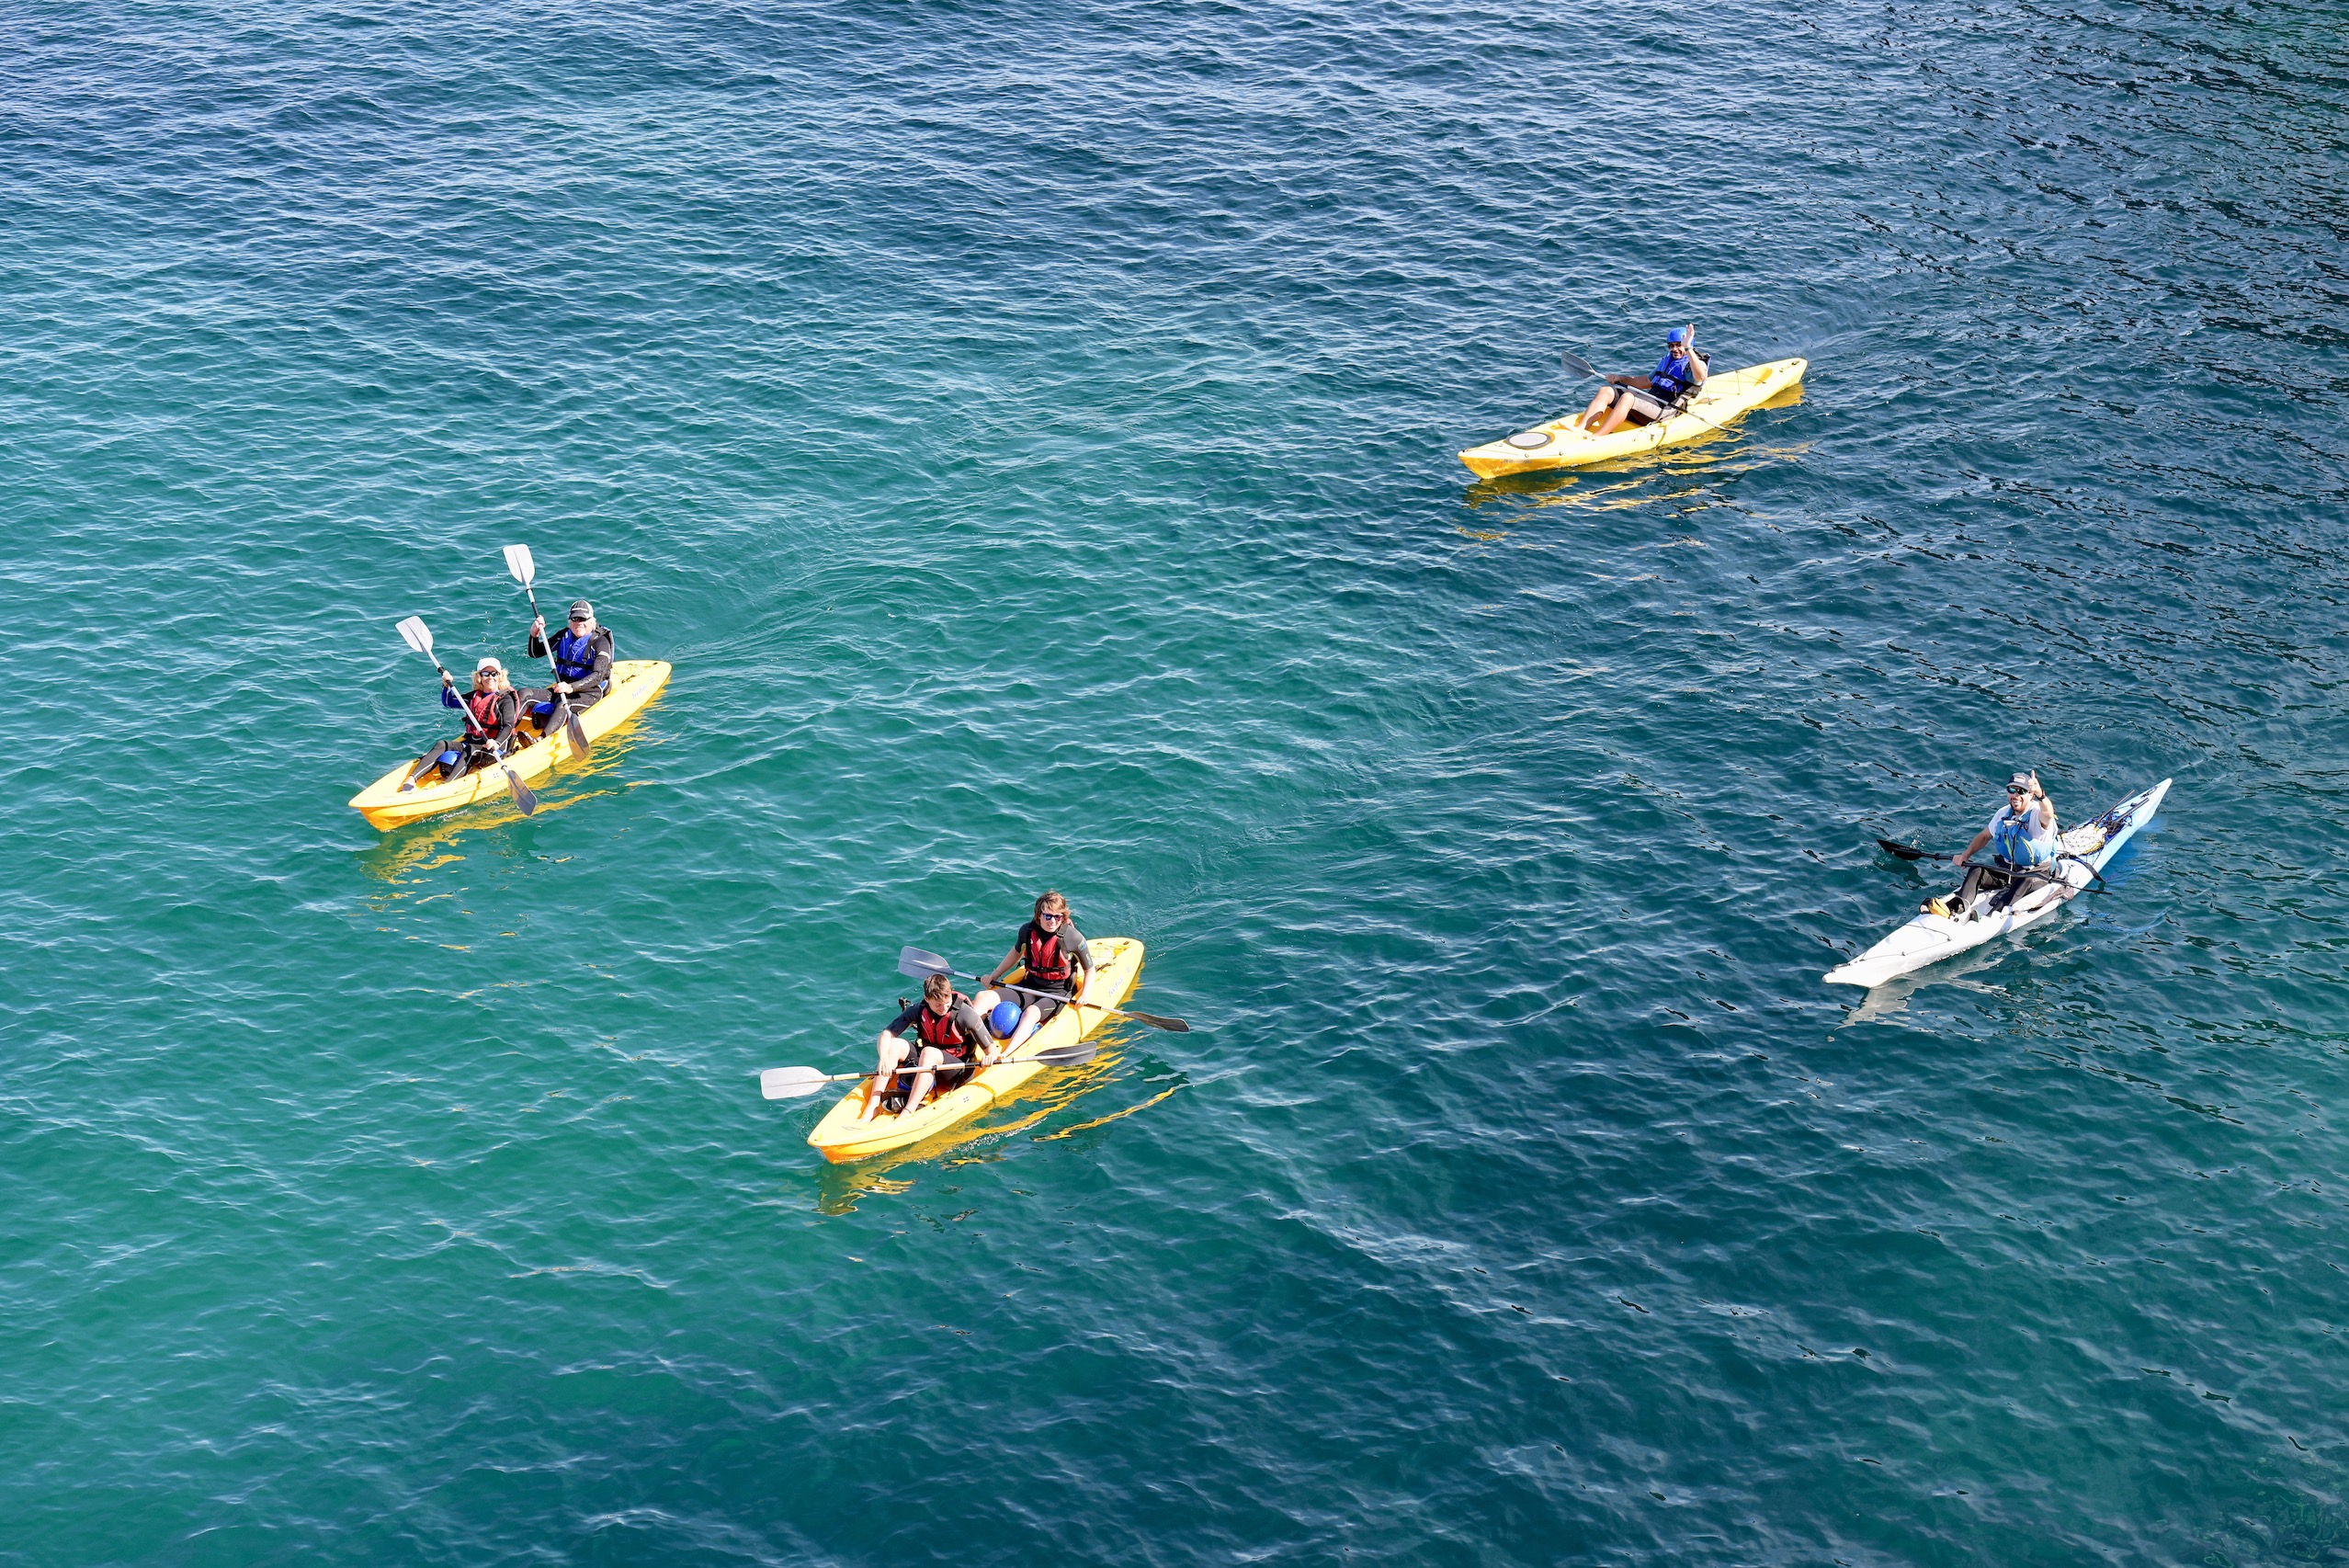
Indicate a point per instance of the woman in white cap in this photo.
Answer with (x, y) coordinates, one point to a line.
(492, 712)
(583, 653)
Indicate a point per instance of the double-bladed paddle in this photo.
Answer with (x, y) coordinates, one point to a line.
(916, 964)
(525, 571)
(794, 1082)
(417, 635)
(1911, 852)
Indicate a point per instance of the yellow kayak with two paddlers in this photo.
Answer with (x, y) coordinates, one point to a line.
(843, 1136)
(1563, 443)
(386, 805)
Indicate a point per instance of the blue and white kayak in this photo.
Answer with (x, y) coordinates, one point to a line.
(1931, 938)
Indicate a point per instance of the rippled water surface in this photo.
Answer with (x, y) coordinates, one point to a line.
(1028, 429)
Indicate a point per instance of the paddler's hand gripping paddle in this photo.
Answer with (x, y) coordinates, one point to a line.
(526, 571)
(417, 635)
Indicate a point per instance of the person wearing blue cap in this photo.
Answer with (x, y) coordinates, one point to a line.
(1643, 400)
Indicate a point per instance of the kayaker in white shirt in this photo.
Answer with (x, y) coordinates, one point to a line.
(2021, 837)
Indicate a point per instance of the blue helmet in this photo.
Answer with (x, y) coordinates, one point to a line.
(1003, 1019)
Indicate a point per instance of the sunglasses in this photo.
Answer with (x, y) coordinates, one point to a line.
(1049, 919)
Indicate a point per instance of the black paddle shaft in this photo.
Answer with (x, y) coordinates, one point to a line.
(1911, 852)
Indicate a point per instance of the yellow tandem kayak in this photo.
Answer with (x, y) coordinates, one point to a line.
(841, 1137)
(1562, 443)
(634, 682)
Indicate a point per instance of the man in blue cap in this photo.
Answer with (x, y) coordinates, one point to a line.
(1643, 400)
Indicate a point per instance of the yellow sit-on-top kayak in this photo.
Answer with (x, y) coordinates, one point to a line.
(1117, 971)
(634, 681)
(1563, 443)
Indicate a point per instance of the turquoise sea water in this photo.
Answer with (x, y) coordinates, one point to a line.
(1028, 429)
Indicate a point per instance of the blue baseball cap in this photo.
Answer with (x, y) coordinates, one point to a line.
(1678, 334)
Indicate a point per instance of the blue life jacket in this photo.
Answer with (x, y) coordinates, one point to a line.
(2015, 841)
(1672, 375)
(574, 655)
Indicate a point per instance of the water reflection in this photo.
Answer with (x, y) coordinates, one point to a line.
(406, 853)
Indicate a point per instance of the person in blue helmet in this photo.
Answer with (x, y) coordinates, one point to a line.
(2021, 838)
(1643, 400)
(583, 653)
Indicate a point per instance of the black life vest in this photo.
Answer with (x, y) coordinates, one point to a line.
(941, 1030)
(1047, 958)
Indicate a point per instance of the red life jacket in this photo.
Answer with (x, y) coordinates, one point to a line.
(942, 1031)
(482, 706)
(1047, 957)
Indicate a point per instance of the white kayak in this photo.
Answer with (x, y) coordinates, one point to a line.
(1931, 938)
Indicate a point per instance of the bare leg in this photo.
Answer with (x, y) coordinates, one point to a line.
(984, 1006)
(931, 1057)
(1589, 415)
(892, 1051)
(1030, 1018)
(1617, 415)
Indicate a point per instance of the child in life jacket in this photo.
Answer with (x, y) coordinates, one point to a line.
(943, 1035)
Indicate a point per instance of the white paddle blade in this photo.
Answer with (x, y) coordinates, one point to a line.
(417, 634)
(919, 965)
(518, 562)
(789, 1082)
